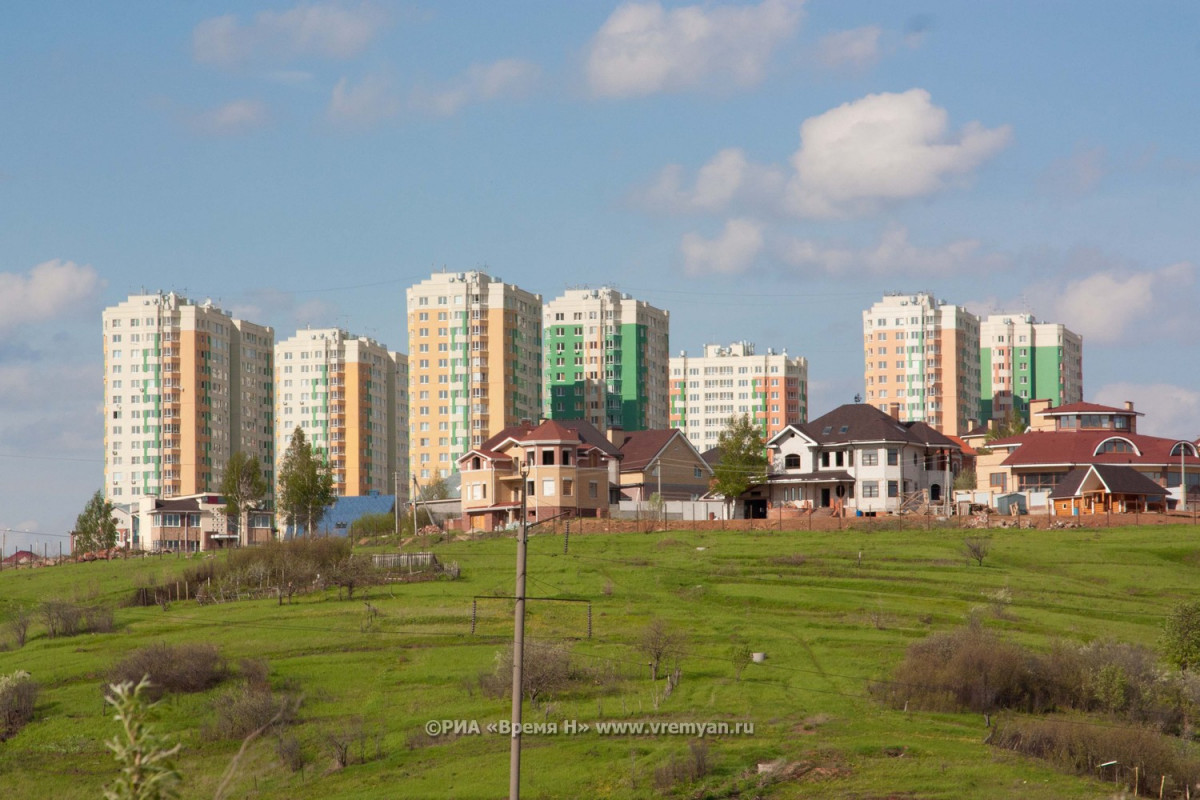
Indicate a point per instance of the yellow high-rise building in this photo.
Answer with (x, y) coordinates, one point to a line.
(475, 350)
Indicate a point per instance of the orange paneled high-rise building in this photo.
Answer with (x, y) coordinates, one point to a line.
(185, 386)
(343, 391)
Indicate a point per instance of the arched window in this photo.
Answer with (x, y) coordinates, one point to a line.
(475, 463)
(791, 461)
(1116, 445)
(1184, 448)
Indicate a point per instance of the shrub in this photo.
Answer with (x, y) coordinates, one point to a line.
(18, 696)
(243, 711)
(968, 669)
(19, 625)
(171, 668)
(1181, 636)
(1077, 746)
(684, 768)
(545, 671)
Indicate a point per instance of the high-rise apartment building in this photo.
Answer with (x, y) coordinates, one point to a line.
(342, 391)
(475, 359)
(922, 360)
(185, 386)
(605, 360)
(1022, 360)
(726, 382)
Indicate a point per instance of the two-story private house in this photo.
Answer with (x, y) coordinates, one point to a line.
(859, 458)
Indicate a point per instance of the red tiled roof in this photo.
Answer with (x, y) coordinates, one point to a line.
(1078, 447)
(1086, 408)
(566, 430)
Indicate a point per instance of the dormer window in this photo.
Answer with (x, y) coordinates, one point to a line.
(1116, 445)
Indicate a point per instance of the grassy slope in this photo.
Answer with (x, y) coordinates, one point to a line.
(827, 623)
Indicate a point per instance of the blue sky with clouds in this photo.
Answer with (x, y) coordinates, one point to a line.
(764, 170)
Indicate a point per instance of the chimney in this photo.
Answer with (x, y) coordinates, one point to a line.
(616, 435)
(1129, 405)
(894, 410)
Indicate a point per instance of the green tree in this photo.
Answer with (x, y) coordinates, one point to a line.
(1013, 424)
(243, 487)
(95, 528)
(1180, 640)
(965, 481)
(305, 485)
(743, 459)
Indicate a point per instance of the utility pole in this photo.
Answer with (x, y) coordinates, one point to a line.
(416, 494)
(396, 501)
(514, 759)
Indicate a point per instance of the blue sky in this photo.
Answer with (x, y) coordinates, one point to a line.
(764, 170)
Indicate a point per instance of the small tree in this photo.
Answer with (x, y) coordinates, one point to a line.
(305, 485)
(976, 549)
(740, 656)
(660, 642)
(1180, 641)
(743, 460)
(95, 528)
(243, 486)
(1013, 424)
(965, 481)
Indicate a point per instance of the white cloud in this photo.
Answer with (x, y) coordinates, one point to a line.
(643, 48)
(238, 116)
(507, 78)
(852, 159)
(732, 252)
(1103, 307)
(883, 147)
(371, 100)
(322, 30)
(893, 255)
(852, 50)
(726, 180)
(1078, 173)
(1171, 411)
(46, 291)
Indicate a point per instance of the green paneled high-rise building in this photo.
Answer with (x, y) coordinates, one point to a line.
(1022, 359)
(605, 360)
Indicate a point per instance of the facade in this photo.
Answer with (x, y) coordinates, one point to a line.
(605, 360)
(923, 354)
(1063, 438)
(661, 462)
(1103, 488)
(342, 391)
(856, 457)
(567, 468)
(185, 386)
(197, 524)
(725, 382)
(1022, 359)
(475, 365)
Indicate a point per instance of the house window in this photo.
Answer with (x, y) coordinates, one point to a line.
(548, 487)
(548, 458)
(870, 489)
(870, 458)
(697, 472)
(893, 489)
(998, 480)
(824, 459)
(593, 489)
(893, 455)
(568, 488)
(790, 461)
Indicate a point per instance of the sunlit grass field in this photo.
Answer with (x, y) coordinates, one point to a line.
(831, 611)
